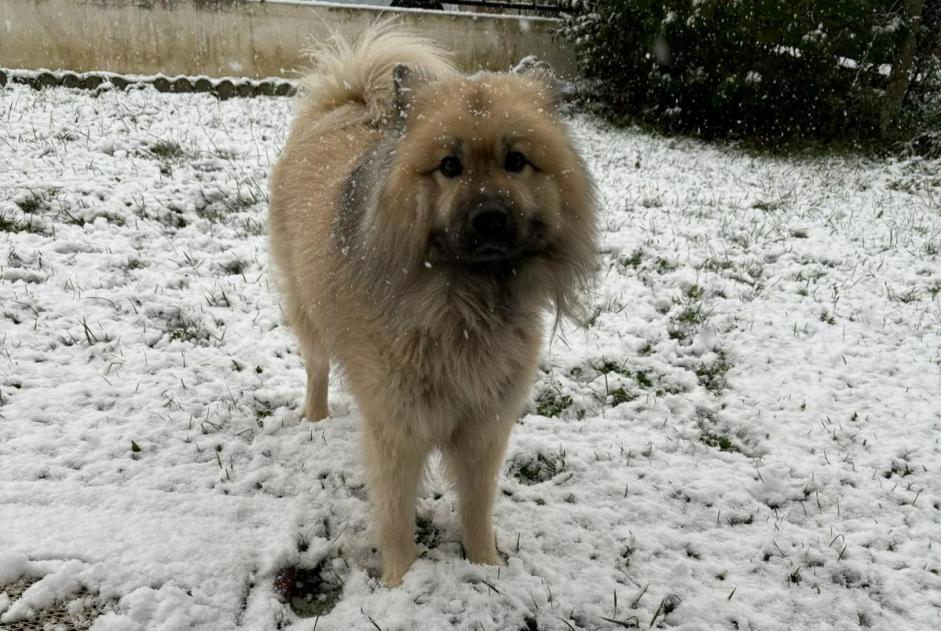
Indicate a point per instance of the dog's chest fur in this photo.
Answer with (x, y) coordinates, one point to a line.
(465, 378)
(435, 377)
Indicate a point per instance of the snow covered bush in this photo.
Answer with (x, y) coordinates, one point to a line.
(765, 69)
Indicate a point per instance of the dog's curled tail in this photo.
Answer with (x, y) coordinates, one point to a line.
(363, 72)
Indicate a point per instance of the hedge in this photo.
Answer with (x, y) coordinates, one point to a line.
(760, 68)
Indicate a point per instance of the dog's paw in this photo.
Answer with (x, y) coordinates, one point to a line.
(395, 565)
(392, 577)
(316, 413)
(391, 582)
(487, 557)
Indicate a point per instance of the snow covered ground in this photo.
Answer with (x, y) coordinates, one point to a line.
(747, 435)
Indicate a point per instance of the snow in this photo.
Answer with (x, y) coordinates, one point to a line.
(745, 436)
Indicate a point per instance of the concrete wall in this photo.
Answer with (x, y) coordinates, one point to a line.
(238, 38)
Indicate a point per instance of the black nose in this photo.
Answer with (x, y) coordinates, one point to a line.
(489, 221)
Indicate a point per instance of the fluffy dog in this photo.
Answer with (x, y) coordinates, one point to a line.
(422, 222)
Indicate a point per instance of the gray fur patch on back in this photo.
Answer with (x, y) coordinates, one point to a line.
(358, 195)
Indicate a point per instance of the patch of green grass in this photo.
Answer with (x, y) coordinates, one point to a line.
(717, 440)
(211, 212)
(751, 276)
(667, 606)
(241, 202)
(900, 468)
(798, 234)
(262, 409)
(91, 337)
(552, 402)
(173, 218)
(741, 520)
(219, 205)
(186, 328)
(642, 379)
(794, 578)
(907, 296)
(808, 276)
(66, 217)
(426, 533)
(634, 260)
(606, 366)
(678, 334)
(66, 135)
(694, 293)
(620, 395)
(252, 227)
(542, 467)
(663, 266)
(626, 554)
(167, 150)
(690, 316)
(712, 375)
(235, 266)
(713, 264)
(35, 201)
(218, 298)
(768, 206)
(13, 225)
(707, 421)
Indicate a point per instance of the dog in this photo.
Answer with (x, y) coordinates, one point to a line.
(422, 223)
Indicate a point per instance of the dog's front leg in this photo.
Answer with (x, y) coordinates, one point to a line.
(394, 460)
(474, 456)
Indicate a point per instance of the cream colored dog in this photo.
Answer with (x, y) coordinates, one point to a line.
(422, 222)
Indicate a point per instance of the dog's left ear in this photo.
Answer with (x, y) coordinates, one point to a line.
(405, 80)
(402, 92)
(541, 71)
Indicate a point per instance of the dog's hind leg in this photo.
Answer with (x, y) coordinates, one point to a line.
(317, 362)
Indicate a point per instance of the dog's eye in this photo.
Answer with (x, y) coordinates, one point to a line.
(451, 167)
(515, 162)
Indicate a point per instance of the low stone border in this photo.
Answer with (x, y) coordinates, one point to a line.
(220, 88)
(76, 614)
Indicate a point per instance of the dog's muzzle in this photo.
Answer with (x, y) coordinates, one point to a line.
(488, 236)
(489, 233)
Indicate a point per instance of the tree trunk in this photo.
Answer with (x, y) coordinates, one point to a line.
(901, 70)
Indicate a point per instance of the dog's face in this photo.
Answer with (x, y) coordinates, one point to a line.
(484, 181)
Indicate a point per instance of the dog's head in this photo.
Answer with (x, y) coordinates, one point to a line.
(482, 182)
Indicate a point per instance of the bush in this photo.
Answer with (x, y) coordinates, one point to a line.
(766, 69)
